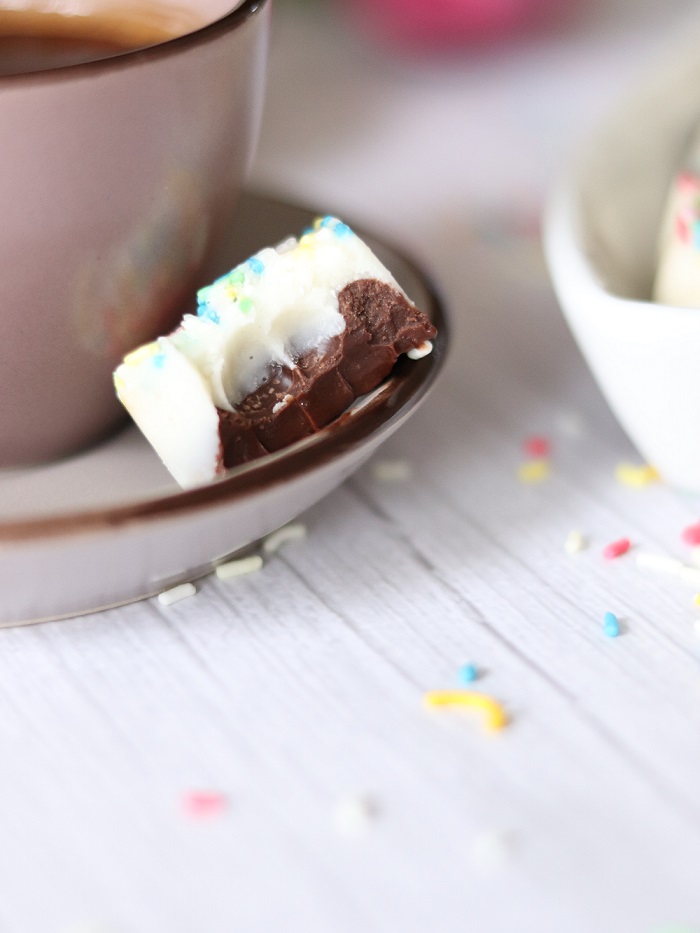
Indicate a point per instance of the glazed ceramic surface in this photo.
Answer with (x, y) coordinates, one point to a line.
(119, 178)
(601, 230)
(110, 525)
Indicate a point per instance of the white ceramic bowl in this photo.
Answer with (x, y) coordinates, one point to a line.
(600, 231)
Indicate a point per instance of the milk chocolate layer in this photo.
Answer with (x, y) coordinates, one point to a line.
(293, 403)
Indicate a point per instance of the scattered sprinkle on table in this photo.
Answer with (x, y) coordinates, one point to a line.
(636, 475)
(691, 535)
(392, 471)
(295, 531)
(696, 627)
(494, 714)
(537, 447)
(694, 556)
(174, 595)
(203, 804)
(354, 814)
(660, 563)
(611, 625)
(239, 567)
(534, 471)
(575, 542)
(690, 575)
(616, 548)
(467, 673)
(571, 424)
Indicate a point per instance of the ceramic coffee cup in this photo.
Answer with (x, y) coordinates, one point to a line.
(117, 180)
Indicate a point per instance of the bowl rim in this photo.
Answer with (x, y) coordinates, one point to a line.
(240, 14)
(568, 261)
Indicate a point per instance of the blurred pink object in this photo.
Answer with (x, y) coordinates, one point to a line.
(447, 22)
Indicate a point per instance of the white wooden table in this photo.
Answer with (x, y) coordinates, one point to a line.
(296, 693)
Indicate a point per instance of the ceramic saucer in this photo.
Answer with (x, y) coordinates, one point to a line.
(110, 526)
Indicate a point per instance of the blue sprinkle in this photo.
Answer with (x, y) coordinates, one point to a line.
(611, 626)
(159, 360)
(468, 673)
(327, 221)
(208, 314)
(255, 265)
(342, 230)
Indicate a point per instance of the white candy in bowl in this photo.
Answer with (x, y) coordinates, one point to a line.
(602, 231)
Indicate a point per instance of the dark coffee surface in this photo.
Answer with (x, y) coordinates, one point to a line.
(31, 41)
(294, 403)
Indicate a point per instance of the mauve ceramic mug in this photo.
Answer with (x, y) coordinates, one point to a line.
(117, 179)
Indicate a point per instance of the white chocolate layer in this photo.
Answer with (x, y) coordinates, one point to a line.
(272, 308)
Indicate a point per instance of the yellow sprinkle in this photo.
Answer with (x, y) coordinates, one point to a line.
(534, 471)
(140, 354)
(495, 716)
(632, 474)
(696, 599)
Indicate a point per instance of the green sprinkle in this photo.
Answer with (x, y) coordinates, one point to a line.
(245, 305)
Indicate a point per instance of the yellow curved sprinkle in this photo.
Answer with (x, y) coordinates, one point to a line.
(630, 474)
(534, 471)
(495, 716)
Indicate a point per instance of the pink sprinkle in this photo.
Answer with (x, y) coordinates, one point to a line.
(687, 182)
(202, 804)
(537, 447)
(691, 535)
(616, 549)
(682, 229)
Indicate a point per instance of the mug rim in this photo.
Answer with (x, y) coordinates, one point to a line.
(241, 13)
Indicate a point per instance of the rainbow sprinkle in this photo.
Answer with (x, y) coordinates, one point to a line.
(537, 447)
(635, 475)
(611, 625)
(202, 804)
(534, 471)
(616, 548)
(691, 535)
(494, 715)
(468, 673)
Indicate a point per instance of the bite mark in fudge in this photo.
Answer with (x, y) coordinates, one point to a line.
(279, 348)
(292, 403)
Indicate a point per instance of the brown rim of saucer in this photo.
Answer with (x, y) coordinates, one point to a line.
(393, 400)
(228, 21)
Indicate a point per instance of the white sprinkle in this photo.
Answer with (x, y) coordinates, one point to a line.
(392, 471)
(575, 542)
(239, 567)
(417, 353)
(491, 850)
(694, 556)
(353, 815)
(296, 531)
(696, 626)
(168, 597)
(571, 424)
(690, 575)
(661, 563)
